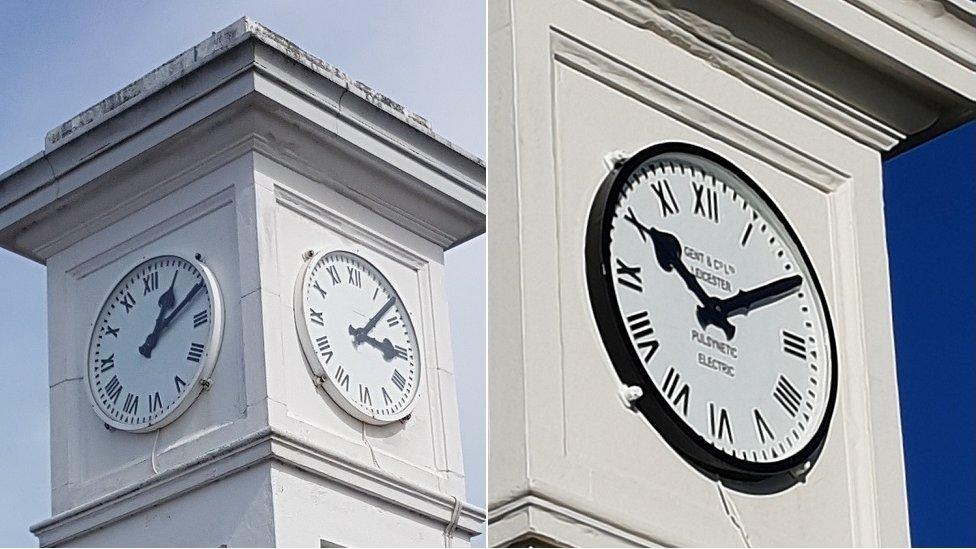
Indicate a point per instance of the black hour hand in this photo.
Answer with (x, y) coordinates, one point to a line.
(748, 300)
(667, 250)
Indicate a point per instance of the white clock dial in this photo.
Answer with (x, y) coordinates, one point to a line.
(357, 336)
(156, 336)
(718, 306)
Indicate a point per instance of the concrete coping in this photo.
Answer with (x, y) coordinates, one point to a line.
(207, 50)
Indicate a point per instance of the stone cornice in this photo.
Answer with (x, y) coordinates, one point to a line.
(220, 42)
(722, 50)
(525, 509)
(262, 446)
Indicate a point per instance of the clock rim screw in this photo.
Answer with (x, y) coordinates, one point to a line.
(614, 158)
(405, 418)
(206, 383)
(307, 254)
(629, 394)
(318, 381)
(800, 472)
(109, 427)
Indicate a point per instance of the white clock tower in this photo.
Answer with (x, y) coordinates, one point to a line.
(690, 334)
(249, 338)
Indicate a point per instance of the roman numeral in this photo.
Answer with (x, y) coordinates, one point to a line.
(131, 405)
(334, 274)
(201, 318)
(761, 427)
(364, 395)
(393, 321)
(629, 276)
(113, 389)
(399, 380)
(719, 426)
(107, 363)
(642, 229)
(745, 235)
(179, 383)
(109, 330)
(401, 352)
(196, 351)
(319, 289)
(155, 403)
(793, 344)
(788, 397)
(324, 348)
(316, 317)
(355, 277)
(666, 198)
(128, 301)
(342, 377)
(386, 397)
(640, 328)
(678, 397)
(376, 292)
(150, 282)
(706, 202)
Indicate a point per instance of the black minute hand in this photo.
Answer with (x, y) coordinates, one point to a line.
(361, 333)
(161, 325)
(186, 300)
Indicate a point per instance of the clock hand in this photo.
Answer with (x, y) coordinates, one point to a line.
(386, 346)
(747, 300)
(186, 300)
(153, 338)
(166, 302)
(362, 332)
(667, 250)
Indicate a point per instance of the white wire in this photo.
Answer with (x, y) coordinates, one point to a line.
(372, 453)
(152, 456)
(452, 525)
(730, 511)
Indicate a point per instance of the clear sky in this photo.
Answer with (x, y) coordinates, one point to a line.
(930, 210)
(61, 57)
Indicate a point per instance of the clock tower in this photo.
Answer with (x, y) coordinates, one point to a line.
(690, 334)
(249, 339)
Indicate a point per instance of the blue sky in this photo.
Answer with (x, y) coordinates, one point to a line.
(62, 57)
(930, 211)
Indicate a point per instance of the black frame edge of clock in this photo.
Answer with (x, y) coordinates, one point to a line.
(740, 475)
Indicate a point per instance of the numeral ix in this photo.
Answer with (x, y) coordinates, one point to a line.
(629, 276)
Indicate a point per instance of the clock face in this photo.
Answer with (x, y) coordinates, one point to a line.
(705, 299)
(156, 336)
(357, 337)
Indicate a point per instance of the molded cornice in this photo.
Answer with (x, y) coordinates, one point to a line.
(262, 447)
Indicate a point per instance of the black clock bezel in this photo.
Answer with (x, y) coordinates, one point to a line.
(740, 474)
